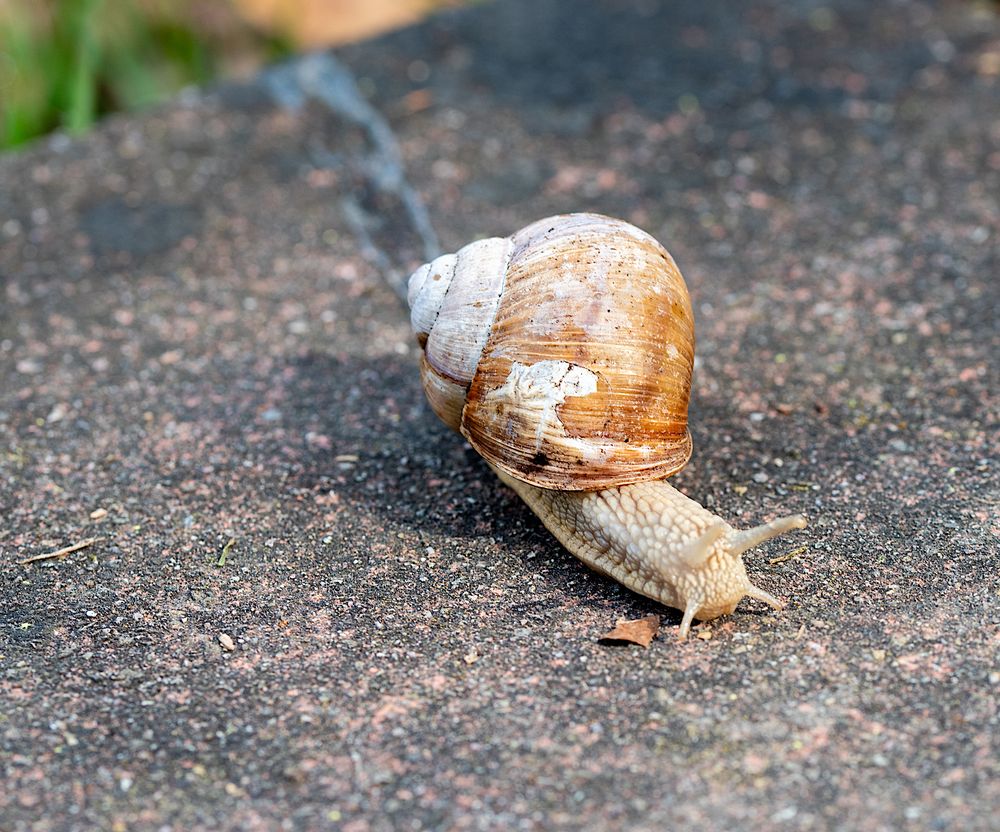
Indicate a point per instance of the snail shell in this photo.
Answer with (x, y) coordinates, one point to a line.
(563, 353)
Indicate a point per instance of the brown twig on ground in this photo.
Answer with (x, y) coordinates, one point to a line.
(788, 555)
(61, 553)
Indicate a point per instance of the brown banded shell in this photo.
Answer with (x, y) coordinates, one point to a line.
(562, 353)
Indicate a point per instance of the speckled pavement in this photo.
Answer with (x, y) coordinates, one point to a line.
(311, 607)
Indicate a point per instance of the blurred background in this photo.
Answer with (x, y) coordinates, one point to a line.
(66, 63)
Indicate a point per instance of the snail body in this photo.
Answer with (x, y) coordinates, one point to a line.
(564, 354)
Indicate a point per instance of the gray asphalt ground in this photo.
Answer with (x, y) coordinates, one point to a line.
(310, 606)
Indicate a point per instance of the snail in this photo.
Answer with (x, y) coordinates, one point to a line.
(564, 355)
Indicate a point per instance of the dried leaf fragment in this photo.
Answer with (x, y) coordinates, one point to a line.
(635, 631)
(225, 552)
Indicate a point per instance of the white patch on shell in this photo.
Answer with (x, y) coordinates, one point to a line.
(542, 387)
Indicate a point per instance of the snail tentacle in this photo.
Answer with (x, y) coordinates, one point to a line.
(741, 541)
(759, 594)
(699, 550)
(690, 611)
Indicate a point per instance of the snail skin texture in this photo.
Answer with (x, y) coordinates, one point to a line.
(563, 353)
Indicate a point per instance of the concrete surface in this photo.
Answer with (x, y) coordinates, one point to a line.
(199, 343)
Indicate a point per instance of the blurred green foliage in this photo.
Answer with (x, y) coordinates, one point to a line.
(64, 63)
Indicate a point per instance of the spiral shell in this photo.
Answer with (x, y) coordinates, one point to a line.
(563, 353)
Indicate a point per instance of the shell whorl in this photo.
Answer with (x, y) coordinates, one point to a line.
(453, 301)
(562, 353)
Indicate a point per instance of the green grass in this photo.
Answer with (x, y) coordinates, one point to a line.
(65, 63)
